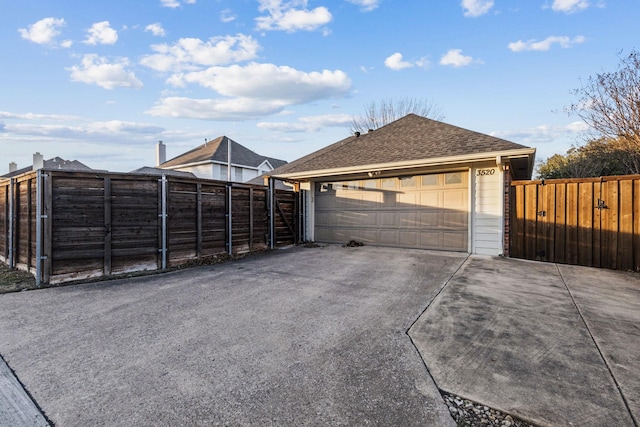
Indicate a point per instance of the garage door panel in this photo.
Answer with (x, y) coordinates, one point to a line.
(455, 199)
(455, 219)
(429, 211)
(388, 218)
(455, 241)
(430, 239)
(407, 200)
(431, 219)
(388, 237)
(408, 220)
(431, 198)
(408, 238)
(356, 219)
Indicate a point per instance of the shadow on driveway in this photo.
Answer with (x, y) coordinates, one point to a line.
(293, 337)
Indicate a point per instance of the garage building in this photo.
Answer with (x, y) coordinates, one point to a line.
(416, 183)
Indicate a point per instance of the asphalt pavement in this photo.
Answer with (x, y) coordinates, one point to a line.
(318, 336)
(303, 336)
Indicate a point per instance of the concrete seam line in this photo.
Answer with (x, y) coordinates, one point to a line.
(604, 359)
(446, 282)
(35, 404)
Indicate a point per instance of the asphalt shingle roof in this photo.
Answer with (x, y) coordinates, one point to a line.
(53, 164)
(216, 150)
(407, 139)
(147, 170)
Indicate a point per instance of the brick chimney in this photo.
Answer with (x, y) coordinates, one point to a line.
(38, 161)
(161, 153)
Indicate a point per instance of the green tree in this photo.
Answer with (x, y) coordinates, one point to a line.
(599, 157)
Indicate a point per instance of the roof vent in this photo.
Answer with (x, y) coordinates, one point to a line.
(357, 134)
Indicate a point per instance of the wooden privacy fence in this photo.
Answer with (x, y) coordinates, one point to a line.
(591, 222)
(62, 225)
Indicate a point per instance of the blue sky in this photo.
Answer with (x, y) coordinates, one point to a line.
(101, 82)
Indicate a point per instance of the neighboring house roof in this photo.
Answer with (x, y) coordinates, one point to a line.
(147, 170)
(259, 180)
(411, 139)
(53, 164)
(216, 151)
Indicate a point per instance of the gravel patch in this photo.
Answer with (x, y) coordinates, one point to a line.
(471, 414)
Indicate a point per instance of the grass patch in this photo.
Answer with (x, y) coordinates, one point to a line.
(15, 280)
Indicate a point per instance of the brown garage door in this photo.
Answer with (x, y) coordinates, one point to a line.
(422, 211)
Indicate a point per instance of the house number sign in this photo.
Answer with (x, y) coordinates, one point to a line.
(483, 172)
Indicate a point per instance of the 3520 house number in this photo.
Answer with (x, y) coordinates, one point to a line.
(483, 172)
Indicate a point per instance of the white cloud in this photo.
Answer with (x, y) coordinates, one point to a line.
(455, 58)
(97, 70)
(174, 3)
(308, 123)
(101, 33)
(475, 8)
(190, 53)
(252, 91)
(396, 63)
(569, 6)
(546, 44)
(44, 31)
(32, 116)
(366, 5)
(291, 16)
(214, 109)
(269, 82)
(227, 16)
(84, 130)
(543, 133)
(155, 29)
(170, 3)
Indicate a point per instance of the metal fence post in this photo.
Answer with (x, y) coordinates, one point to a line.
(12, 215)
(272, 224)
(39, 218)
(229, 219)
(163, 208)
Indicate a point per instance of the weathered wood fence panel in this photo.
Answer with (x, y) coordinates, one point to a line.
(64, 226)
(591, 222)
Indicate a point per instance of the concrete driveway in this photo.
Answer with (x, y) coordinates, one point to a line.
(556, 345)
(292, 337)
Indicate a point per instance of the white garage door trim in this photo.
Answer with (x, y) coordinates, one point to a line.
(421, 211)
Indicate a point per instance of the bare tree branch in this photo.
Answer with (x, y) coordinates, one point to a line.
(388, 110)
(609, 103)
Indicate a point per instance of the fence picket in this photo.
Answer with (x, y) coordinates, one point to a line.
(592, 221)
(97, 224)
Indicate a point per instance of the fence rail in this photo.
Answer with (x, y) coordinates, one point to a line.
(591, 222)
(62, 225)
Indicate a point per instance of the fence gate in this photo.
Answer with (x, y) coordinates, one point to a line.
(592, 222)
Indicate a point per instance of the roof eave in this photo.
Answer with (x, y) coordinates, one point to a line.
(449, 160)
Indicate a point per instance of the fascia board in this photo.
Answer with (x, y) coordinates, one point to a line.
(451, 160)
